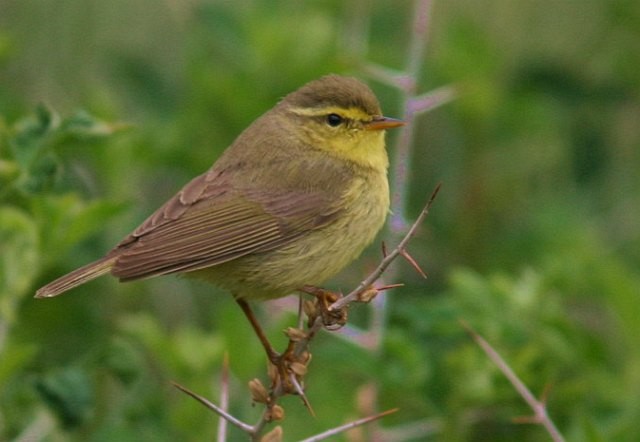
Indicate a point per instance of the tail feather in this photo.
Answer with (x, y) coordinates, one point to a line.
(76, 278)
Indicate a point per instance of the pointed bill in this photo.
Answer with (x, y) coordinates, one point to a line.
(383, 123)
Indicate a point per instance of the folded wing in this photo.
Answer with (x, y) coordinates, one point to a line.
(210, 222)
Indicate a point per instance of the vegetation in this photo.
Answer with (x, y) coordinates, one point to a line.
(108, 108)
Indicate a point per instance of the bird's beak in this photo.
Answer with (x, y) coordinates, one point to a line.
(382, 123)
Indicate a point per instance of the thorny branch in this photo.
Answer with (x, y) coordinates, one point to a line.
(400, 249)
(539, 407)
(365, 291)
(298, 349)
(407, 82)
(210, 405)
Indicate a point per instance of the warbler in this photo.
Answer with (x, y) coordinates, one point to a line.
(295, 198)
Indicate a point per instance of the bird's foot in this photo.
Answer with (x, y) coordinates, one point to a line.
(332, 319)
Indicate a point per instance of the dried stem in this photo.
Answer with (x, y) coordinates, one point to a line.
(407, 82)
(299, 347)
(365, 420)
(302, 345)
(540, 415)
(391, 256)
(224, 398)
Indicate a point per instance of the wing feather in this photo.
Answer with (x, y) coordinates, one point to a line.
(217, 217)
(219, 229)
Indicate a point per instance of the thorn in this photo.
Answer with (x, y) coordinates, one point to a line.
(413, 262)
(219, 411)
(435, 192)
(526, 420)
(300, 391)
(389, 286)
(371, 292)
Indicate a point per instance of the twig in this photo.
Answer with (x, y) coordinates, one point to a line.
(300, 311)
(303, 344)
(539, 407)
(224, 398)
(431, 100)
(301, 393)
(387, 260)
(210, 405)
(332, 432)
(413, 263)
(407, 82)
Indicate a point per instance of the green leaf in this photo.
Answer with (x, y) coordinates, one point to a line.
(19, 258)
(84, 126)
(124, 359)
(38, 166)
(66, 220)
(68, 393)
(30, 136)
(37, 138)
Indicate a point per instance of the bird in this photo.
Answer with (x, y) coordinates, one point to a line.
(292, 201)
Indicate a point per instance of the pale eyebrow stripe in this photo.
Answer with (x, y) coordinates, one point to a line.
(352, 112)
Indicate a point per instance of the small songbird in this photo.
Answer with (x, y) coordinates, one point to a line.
(296, 197)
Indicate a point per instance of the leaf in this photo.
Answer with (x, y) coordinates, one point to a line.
(66, 220)
(84, 125)
(124, 360)
(18, 258)
(35, 140)
(68, 393)
(30, 135)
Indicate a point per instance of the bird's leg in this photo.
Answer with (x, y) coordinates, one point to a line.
(273, 355)
(331, 319)
(283, 363)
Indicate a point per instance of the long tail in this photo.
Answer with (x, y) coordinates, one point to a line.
(76, 278)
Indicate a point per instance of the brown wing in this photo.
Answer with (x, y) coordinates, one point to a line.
(210, 222)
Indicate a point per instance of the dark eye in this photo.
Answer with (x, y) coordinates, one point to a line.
(334, 120)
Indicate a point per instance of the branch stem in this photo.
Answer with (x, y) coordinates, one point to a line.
(539, 407)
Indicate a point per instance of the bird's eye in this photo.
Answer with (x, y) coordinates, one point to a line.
(334, 120)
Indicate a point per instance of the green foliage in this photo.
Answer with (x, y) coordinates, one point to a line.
(534, 239)
(68, 393)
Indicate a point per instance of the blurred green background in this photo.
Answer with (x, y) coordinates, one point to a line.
(108, 108)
